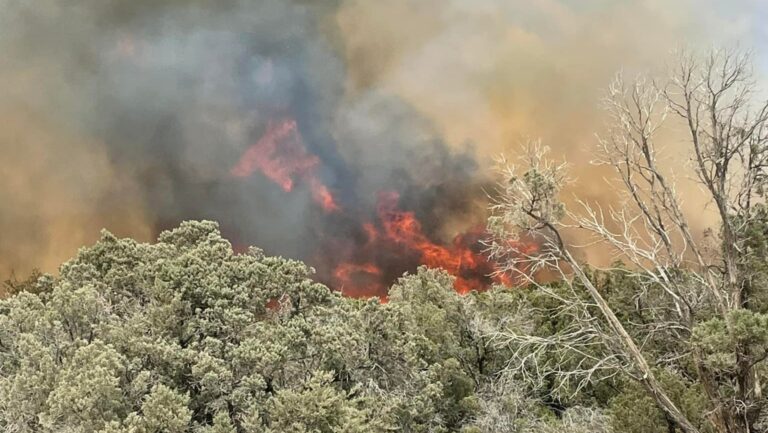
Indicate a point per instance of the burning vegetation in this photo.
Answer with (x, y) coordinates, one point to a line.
(373, 253)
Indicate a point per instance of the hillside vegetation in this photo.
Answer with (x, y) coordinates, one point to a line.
(184, 335)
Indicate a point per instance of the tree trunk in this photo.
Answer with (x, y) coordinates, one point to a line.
(648, 380)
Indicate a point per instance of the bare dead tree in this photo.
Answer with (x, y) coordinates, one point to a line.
(727, 140)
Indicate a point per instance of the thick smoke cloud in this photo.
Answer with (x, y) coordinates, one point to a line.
(140, 111)
(129, 115)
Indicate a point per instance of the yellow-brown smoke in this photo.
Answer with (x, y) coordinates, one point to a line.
(54, 184)
(497, 73)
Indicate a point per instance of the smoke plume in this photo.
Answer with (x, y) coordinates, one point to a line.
(308, 128)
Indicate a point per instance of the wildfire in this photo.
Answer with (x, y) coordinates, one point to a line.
(394, 241)
(403, 228)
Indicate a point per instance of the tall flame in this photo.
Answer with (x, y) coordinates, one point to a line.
(281, 156)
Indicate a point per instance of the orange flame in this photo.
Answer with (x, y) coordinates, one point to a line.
(281, 156)
(402, 233)
(403, 228)
(322, 195)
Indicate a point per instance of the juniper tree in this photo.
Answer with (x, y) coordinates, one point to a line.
(181, 335)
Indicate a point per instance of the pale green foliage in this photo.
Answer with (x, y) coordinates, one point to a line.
(319, 407)
(184, 335)
(87, 392)
(634, 411)
(165, 337)
(719, 337)
(165, 410)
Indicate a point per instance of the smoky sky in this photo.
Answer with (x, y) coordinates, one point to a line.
(129, 114)
(168, 96)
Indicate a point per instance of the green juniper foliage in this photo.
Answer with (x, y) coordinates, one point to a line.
(184, 335)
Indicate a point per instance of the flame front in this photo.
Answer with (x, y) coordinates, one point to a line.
(398, 236)
(402, 228)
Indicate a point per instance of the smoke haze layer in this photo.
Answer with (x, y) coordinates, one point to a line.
(131, 115)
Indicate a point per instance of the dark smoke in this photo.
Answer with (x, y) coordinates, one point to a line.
(172, 95)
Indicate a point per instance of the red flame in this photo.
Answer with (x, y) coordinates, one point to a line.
(281, 156)
(400, 233)
(354, 276)
(403, 228)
